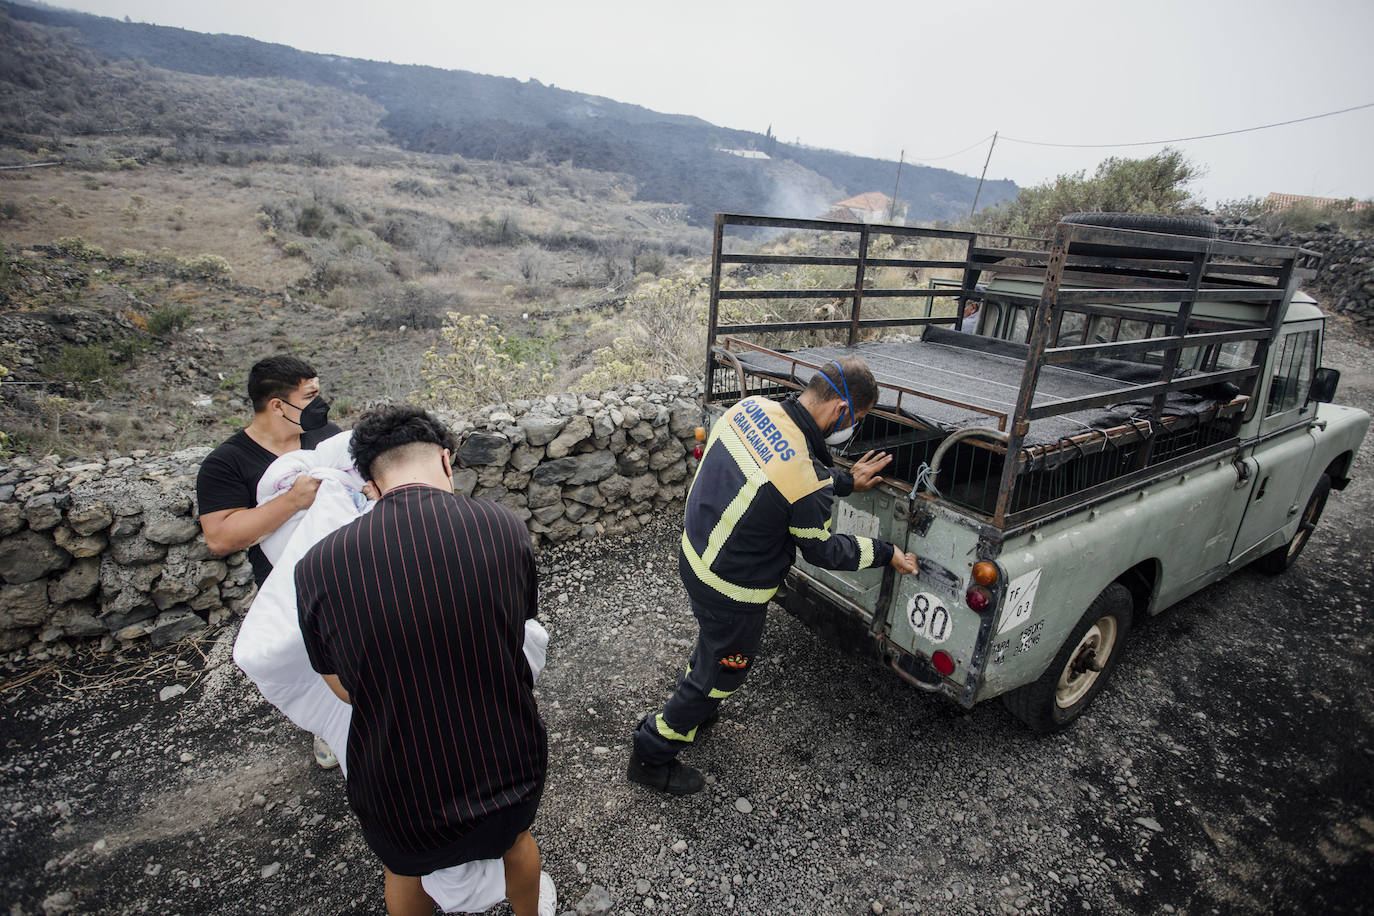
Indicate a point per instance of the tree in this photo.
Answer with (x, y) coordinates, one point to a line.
(1153, 185)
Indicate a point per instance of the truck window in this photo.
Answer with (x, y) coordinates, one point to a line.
(1235, 355)
(1292, 372)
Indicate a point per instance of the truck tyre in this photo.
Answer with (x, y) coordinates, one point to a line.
(1202, 227)
(1280, 558)
(1080, 669)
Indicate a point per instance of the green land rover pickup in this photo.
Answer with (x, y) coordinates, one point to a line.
(1129, 416)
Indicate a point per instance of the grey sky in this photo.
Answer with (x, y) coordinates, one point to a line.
(931, 78)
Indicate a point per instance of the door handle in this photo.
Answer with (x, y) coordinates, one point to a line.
(1260, 495)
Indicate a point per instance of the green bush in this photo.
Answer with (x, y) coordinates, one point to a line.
(474, 366)
(205, 265)
(312, 221)
(1153, 185)
(88, 367)
(75, 246)
(10, 210)
(168, 318)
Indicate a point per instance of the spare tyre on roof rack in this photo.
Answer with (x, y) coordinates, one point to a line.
(1203, 227)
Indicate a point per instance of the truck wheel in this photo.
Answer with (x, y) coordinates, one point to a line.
(1280, 558)
(1079, 671)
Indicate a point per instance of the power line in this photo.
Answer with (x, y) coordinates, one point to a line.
(952, 155)
(1224, 133)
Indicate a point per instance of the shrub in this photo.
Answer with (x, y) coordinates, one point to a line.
(501, 229)
(204, 265)
(474, 366)
(662, 334)
(294, 250)
(533, 263)
(624, 362)
(416, 186)
(88, 367)
(75, 246)
(1245, 208)
(168, 318)
(10, 210)
(1153, 185)
(360, 267)
(312, 221)
(652, 262)
(412, 306)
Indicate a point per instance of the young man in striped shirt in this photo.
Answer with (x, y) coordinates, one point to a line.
(415, 614)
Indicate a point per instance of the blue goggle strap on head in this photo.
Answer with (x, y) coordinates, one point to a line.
(849, 406)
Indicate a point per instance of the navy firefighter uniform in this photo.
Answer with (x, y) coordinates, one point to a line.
(764, 489)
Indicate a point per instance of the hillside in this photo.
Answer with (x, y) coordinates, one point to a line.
(164, 225)
(673, 158)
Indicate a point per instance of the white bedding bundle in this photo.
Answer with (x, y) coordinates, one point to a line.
(272, 653)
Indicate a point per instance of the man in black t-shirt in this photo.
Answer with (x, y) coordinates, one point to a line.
(288, 414)
(415, 614)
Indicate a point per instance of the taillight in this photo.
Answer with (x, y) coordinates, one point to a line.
(943, 662)
(984, 573)
(978, 598)
(697, 452)
(700, 433)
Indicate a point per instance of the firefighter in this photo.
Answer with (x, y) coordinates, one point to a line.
(764, 489)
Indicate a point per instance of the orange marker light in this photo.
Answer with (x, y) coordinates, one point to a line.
(700, 433)
(984, 573)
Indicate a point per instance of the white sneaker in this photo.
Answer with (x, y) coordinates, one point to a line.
(323, 755)
(548, 895)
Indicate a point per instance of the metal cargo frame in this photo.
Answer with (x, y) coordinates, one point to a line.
(1116, 275)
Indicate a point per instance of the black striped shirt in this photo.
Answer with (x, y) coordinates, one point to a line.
(419, 607)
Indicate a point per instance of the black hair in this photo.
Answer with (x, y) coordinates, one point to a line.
(863, 388)
(276, 377)
(384, 429)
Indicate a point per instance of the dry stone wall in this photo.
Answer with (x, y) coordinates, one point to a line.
(1345, 281)
(110, 549)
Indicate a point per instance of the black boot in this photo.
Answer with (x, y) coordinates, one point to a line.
(673, 777)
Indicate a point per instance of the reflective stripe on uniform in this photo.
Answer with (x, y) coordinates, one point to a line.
(718, 694)
(728, 589)
(754, 478)
(865, 551)
(814, 534)
(666, 731)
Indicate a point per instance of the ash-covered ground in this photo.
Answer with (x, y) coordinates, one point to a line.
(1229, 767)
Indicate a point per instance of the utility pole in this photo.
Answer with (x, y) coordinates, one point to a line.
(976, 194)
(892, 207)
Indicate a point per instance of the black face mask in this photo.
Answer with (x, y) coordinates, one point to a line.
(313, 415)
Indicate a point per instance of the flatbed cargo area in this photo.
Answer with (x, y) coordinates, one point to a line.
(1098, 357)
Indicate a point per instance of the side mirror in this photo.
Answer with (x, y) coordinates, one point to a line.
(1324, 384)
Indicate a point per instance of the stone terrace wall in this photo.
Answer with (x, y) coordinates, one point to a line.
(110, 549)
(1345, 282)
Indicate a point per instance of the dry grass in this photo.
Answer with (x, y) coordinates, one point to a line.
(186, 210)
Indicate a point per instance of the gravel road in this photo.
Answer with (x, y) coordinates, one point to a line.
(1228, 769)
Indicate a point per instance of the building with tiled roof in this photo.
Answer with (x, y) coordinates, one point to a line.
(871, 207)
(1282, 201)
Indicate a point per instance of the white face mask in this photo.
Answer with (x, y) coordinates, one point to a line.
(839, 437)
